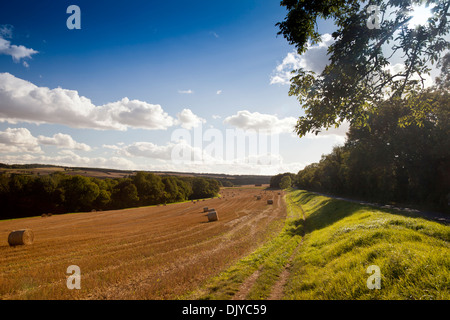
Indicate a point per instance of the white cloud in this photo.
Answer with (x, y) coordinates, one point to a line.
(65, 141)
(21, 100)
(219, 92)
(16, 52)
(257, 121)
(71, 159)
(188, 119)
(18, 140)
(181, 156)
(186, 91)
(314, 59)
(136, 114)
(339, 133)
(216, 116)
(172, 151)
(147, 150)
(112, 147)
(21, 140)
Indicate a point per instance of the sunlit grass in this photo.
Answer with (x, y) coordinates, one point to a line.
(343, 239)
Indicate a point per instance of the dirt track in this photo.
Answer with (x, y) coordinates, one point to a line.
(142, 253)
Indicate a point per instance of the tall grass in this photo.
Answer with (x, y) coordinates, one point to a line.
(343, 239)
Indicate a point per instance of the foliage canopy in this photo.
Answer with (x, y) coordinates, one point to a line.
(360, 73)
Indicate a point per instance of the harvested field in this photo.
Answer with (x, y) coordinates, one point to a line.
(158, 252)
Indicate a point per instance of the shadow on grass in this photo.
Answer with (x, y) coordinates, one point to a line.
(325, 213)
(411, 212)
(296, 228)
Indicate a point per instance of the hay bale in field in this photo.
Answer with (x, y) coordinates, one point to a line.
(213, 216)
(50, 214)
(258, 197)
(20, 237)
(44, 215)
(93, 210)
(212, 209)
(205, 209)
(270, 201)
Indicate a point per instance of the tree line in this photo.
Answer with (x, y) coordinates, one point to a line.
(393, 158)
(27, 195)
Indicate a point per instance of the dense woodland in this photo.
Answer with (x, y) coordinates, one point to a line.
(29, 195)
(392, 159)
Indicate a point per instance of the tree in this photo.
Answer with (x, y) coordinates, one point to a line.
(204, 188)
(171, 191)
(150, 187)
(386, 162)
(125, 194)
(79, 193)
(276, 180)
(286, 182)
(359, 73)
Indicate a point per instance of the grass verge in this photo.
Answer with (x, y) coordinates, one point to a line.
(343, 239)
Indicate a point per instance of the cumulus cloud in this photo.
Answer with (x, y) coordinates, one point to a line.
(136, 114)
(21, 100)
(200, 159)
(18, 140)
(188, 119)
(172, 151)
(246, 120)
(65, 141)
(16, 52)
(314, 59)
(21, 140)
(219, 92)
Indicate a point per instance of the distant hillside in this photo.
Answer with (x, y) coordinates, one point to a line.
(102, 173)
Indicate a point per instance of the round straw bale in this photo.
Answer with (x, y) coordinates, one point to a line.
(213, 216)
(270, 201)
(21, 237)
(205, 209)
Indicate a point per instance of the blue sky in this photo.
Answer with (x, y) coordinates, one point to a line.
(113, 93)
